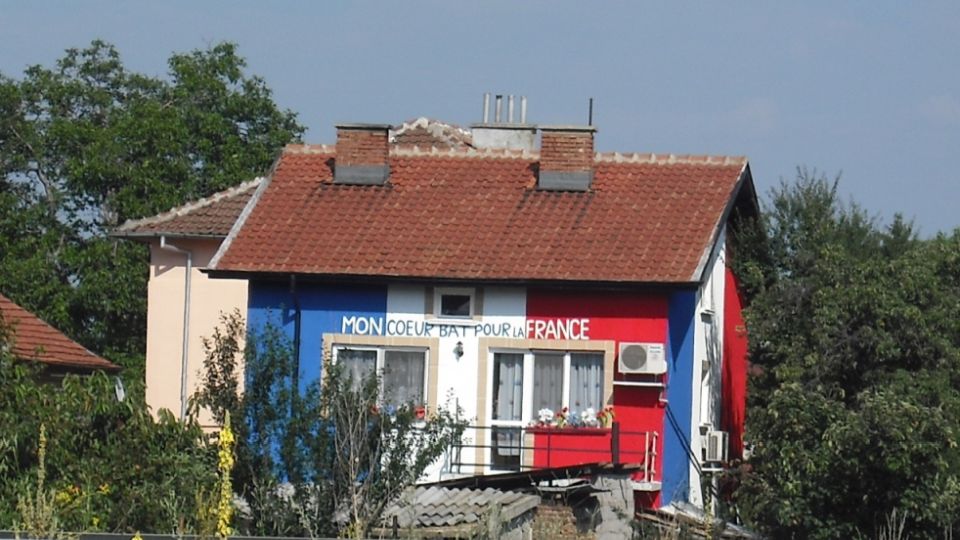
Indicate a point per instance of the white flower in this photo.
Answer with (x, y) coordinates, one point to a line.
(589, 417)
(545, 416)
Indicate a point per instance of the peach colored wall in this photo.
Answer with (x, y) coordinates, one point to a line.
(209, 299)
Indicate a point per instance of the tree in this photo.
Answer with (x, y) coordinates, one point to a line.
(853, 411)
(88, 144)
(343, 455)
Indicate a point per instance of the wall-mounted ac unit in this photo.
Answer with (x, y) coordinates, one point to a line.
(642, 358)
(715, 446)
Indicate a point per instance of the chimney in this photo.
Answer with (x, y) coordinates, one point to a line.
(500, 134)
(362, 151)
(566, 158)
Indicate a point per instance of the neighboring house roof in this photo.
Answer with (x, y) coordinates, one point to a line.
(444, 507)
(33, 339)
(467, 214)
(426, 133)
(210, 217)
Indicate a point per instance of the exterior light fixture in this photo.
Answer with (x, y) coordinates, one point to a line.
(458, 350)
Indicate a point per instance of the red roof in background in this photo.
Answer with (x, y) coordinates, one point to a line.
(476, 215)
(36, 340)
(212, 216)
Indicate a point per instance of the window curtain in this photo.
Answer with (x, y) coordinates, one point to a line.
(508, 390)
(403, 377)
(357, 364)
(547, 382)
(586, 381)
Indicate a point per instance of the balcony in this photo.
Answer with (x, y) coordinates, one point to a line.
(487, 450)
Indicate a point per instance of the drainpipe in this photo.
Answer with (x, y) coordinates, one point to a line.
(184, 353)
(296, 338)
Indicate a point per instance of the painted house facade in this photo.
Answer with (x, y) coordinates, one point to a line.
(184, 305)
(519, 283)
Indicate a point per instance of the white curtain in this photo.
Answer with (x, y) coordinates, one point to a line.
(508, 382)
(547, 382)
(357, 364)
(586, 381)
(403, 377)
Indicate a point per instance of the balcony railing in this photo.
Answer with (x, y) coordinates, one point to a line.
(499, 449)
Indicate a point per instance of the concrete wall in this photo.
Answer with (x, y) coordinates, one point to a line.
(209, 299)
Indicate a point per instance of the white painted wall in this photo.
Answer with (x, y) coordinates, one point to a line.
(708, 347)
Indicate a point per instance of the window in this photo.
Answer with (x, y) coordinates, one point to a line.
(455, 303)
(523, 383)
(402, 371)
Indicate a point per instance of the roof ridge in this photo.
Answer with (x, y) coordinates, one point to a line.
(668, 159)
(305, 148)
(463, 152)
(436, 128)
(190, 206)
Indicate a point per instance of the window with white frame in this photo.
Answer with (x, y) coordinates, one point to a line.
(454, 302)
(523, 383)
(403, 371)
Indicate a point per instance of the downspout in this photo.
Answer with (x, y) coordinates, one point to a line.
(184, 353)
(296, 337)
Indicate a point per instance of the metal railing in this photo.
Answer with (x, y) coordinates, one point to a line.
(517, 449)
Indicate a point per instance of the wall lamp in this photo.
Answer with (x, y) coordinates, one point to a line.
(458, 350)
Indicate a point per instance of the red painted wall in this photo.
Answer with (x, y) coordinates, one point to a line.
(617, 316)
(734, 378)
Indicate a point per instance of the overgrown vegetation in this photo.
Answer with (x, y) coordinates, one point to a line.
(324, 462)
(74, 458)
(854, 412)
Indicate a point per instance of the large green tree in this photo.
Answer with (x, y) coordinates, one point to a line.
(88, 144)
(854, 411)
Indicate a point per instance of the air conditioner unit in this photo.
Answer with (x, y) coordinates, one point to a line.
(715, 447)
(642, 358)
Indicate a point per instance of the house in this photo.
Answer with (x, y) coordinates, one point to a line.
(183, 304)
(33, 340)
(535, 285)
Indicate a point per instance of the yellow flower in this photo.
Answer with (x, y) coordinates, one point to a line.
(104, 489)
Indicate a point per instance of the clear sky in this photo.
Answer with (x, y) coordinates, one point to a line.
(867, 89)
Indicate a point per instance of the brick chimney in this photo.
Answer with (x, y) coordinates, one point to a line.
(566, 158)
(362, 151)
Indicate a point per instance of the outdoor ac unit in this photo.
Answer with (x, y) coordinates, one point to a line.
(716, 446)
(642, 358)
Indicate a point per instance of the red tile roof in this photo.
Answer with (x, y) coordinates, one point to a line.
(476, 215)
(212, 216)
(36, 340)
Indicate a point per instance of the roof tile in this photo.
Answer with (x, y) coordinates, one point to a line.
(33, 339)
(476, 215)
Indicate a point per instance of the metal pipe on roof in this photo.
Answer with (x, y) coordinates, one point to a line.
(486, 107)
(185, 351)
(523, 109)
(499, 107)
(510, 108)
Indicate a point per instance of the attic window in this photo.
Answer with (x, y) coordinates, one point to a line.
(455, 303)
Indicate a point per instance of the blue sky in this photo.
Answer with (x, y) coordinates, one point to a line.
(869, 89)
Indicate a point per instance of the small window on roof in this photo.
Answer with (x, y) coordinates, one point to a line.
(455, 303)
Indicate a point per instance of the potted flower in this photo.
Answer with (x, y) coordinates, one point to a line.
(606, 416)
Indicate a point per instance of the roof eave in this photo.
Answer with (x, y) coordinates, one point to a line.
(447, 280)
(141, 236)
(744, 179)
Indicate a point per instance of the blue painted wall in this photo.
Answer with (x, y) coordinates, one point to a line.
(676, 461)
(322, 309)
